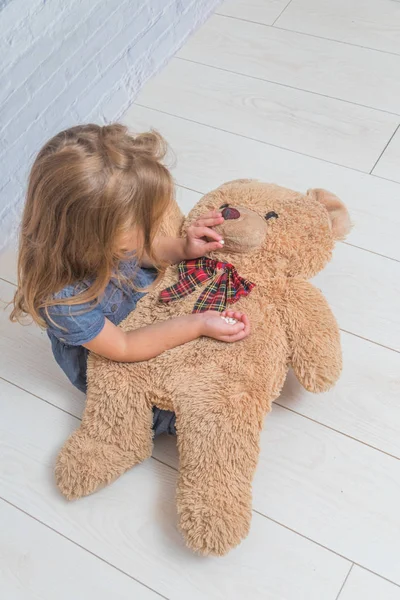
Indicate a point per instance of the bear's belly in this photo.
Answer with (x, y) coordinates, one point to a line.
(256, 366)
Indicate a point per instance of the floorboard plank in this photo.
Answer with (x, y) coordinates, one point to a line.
(329, 129)
(388, 165)
(369, 23)
(362, 585)
(36, 562)
(358, 75)
(363, 290)
(259, 11)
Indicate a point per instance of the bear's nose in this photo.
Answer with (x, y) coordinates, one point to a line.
(230, 213)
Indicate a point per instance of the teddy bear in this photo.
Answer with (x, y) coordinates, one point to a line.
(276, 239)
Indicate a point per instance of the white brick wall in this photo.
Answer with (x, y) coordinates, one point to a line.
(68, 61)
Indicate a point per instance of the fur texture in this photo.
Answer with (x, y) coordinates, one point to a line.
(220, 392)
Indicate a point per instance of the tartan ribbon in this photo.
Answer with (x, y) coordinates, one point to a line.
(225, 287)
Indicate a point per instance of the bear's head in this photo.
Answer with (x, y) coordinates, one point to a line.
(270, 230)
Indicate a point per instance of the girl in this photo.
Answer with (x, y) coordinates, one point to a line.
(89, 245)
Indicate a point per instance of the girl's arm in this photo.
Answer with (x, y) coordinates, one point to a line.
(148, 342)
(195, 244)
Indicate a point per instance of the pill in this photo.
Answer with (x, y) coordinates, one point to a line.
(229, 320)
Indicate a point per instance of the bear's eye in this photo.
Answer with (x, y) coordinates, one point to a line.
(271, 215)
(223, 206)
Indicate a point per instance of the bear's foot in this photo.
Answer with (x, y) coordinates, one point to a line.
(86, 464)
(212, 524)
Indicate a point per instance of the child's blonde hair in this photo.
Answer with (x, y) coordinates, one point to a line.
(88, 186)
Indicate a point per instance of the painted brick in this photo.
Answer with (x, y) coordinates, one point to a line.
(19, 153)
(8, 196)
(12, 105)
(39, 24)
(34, 109)
(55, 49)
(104, 84)
(69, 96)
(57, 13)
(26, 65)
(128, 35)
(110, 106)
(14, 13)
(108, 31)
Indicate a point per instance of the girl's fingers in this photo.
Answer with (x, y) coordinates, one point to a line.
(234, 338)
(211, 214)
(212, 246)
(232, 315)
(208, 233)
(236, 315)
(233, 329)
(242, 319)
(209, 221)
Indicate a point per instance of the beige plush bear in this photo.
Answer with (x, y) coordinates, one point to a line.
(275, 240)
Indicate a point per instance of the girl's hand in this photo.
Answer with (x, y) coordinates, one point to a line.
(201, 238)
(215, 327)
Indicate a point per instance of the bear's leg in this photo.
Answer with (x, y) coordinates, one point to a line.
(115, 434)
(218, 441)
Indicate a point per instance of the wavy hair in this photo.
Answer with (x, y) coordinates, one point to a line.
(88, 188)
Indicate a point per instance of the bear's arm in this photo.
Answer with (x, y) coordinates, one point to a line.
(313, 336)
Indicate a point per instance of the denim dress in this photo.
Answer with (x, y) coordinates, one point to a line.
(70, 326)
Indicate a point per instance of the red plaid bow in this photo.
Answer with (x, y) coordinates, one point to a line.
(226, 285)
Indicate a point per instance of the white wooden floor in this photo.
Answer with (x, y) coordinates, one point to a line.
(306, 94)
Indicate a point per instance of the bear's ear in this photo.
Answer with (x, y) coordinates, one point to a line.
(338, 213)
